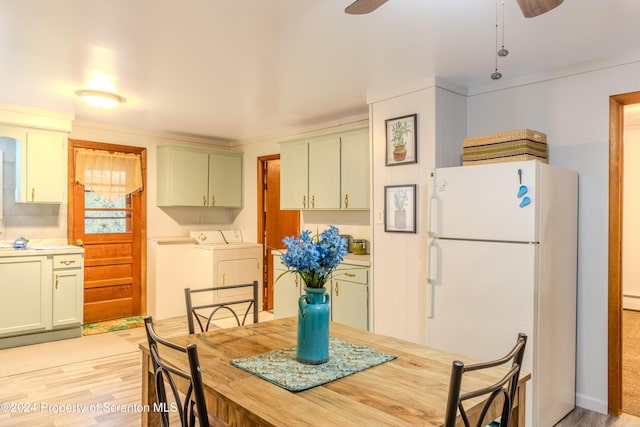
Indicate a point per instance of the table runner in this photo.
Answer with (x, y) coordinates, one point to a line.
(281, 368)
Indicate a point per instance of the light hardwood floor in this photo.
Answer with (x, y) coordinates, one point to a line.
(109, 391)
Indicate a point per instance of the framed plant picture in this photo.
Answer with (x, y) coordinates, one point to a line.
(400, 208)
(402, 137)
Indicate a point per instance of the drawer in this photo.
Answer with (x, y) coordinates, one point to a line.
(357, 275)
(67, 261)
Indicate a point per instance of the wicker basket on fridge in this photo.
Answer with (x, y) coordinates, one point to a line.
(516, 145)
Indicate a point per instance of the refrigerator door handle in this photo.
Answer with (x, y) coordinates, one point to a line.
(433, 200)
(432, 263)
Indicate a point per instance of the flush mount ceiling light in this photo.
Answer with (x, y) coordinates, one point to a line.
(99, 98)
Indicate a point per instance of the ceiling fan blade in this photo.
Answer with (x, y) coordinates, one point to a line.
(532, 8)
(360, 7)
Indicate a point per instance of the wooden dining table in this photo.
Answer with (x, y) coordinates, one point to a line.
(410, 390)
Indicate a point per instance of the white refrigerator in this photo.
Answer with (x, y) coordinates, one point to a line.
(503, 260)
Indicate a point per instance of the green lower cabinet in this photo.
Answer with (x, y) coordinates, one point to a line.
(350, 303)
(349, 291)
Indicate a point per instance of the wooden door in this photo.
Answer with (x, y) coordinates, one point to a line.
(114, 238)
(274, 224)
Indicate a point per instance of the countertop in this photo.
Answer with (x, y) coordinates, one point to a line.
(173, 240)
(39, 247)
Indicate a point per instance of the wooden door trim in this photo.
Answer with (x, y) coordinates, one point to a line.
(262, 160)
(616, 163)
(76, 143)
(260, 190)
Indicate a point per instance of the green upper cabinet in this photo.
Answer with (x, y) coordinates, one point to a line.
(328, 172)
(225, 180)
(41, 172)
(354, 169)
(183, 177)
(324, 173)
(193, 177)
(294, 175)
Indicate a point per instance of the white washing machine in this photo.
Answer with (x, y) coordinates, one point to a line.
(222, 257)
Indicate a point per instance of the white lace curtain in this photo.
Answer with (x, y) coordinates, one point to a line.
(111, 175)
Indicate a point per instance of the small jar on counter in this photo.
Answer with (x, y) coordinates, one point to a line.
(359, 247)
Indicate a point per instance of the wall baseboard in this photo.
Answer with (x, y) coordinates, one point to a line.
(591, 404)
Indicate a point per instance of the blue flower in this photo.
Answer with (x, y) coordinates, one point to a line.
(314, 257)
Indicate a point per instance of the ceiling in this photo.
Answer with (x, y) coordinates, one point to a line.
(251, 69)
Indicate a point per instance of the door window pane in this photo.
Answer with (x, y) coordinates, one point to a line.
(105, 216)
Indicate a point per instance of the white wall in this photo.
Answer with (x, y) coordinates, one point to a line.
(630, 215)
(399, 259)
(573, 110)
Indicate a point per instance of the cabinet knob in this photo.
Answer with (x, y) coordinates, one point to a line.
(304, 201)
(296, 281)
(79, 242)
(204, 200)
(56, 281)
(213, 200)
(337, 289)
(346, 200)
(313, 202)
(33, 194)
(67, 262)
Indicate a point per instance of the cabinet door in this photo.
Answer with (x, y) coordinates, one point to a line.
(25, 305)
(183, 177)
(286, 290)
(67, 297)
(350, 303)
(354, 170)
(43, 168)
(286, 293)
(324, 173)
(225, 180)
(294, 175)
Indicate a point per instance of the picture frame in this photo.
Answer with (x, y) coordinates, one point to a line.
(401, 140)
(400, 208)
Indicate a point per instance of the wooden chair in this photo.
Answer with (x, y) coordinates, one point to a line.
(506, 388)
(206, 311)
(192, 405)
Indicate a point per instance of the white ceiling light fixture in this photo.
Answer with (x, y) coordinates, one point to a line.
(100, 98)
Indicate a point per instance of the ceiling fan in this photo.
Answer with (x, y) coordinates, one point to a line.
(530, 8)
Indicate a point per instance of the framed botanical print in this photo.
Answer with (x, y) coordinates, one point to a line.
(400, 208)
(401, 138)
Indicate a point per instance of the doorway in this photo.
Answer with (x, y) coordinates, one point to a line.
(617, 331)
(274, 224)
(112, 229)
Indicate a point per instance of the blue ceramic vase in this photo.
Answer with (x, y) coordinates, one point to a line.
(313, 327)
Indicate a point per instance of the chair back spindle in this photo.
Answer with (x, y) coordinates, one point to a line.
(204, 313)
(191, 406)
(506, 388)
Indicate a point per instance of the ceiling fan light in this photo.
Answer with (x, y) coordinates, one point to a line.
(100, 99)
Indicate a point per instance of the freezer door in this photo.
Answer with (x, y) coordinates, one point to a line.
(481, 296)
(487, 202)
